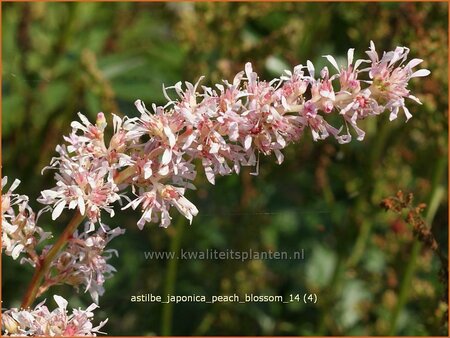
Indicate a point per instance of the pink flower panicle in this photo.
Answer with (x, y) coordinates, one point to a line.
(41, 322)
(20, 234)
(84, 262)
(82, 183)
(225, 127)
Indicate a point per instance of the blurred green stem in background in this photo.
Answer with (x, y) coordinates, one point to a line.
(358, 249)
(366, 227)
(171, 276)
(437, 193)
(334, 285)
(334, 290)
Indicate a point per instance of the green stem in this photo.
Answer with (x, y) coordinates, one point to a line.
(167, 310)
(363, 236)
(435, 198)
(334, 287)
(360, 245)
(366, 227)
(404, 286)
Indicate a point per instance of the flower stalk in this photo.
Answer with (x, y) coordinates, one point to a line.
(45, 263)
(436, 196)
(33, 288)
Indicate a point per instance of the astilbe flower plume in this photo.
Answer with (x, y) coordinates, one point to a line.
(153, 156)
(84, 262)
(20, 234)
(225, 127)
(40, 321)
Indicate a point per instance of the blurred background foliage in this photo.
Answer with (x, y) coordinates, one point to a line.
(369, 272)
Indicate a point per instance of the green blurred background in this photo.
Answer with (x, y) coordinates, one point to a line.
(61, 58)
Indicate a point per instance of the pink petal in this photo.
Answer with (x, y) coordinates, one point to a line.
(167, 156)
(58, 209)
(332, 60)
(421, 73)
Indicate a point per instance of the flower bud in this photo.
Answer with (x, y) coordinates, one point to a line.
(101, 121)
